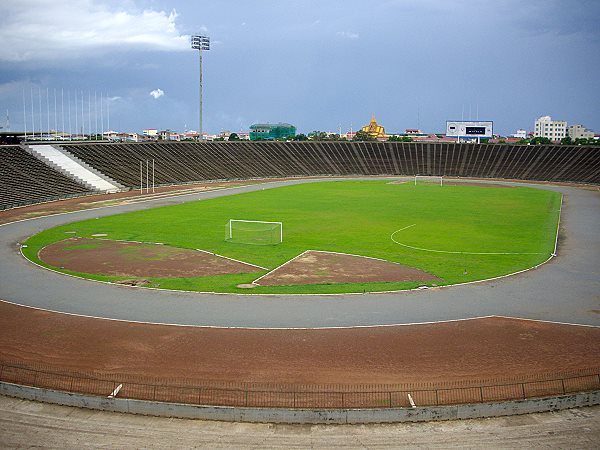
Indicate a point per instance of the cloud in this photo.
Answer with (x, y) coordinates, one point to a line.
(347, 34)
(157, 93)
(59, 30)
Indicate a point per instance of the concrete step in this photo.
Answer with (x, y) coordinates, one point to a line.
(66, 163)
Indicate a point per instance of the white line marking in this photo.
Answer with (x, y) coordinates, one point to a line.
(558, 225)
(232, 259)
(340, 327)
(278, 267)
(451, 252)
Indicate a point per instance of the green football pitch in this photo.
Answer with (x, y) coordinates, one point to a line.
(459, 233)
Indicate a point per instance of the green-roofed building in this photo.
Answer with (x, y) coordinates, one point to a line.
(271, 131)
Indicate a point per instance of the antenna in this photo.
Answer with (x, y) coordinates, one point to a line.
(108, 112)
(48, 113)
(102, 114)
(62, 112)
(7, 126)
(55, 117)
(32, 115)
(24, 115)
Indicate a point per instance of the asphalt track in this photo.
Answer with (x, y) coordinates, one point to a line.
(566, 289)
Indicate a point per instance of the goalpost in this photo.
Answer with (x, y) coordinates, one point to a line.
(256, 232)
(437, 179)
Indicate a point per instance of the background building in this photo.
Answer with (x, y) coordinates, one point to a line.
(552, 129)
(374, 129)
(270, 131)
(520, 133)
(580, 132)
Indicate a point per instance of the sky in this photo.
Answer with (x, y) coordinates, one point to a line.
(319, 65)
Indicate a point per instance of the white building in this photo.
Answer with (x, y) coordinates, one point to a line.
(551, 129)
(520, 133)
(580, 132)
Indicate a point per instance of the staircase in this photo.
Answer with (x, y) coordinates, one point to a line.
(74, 168)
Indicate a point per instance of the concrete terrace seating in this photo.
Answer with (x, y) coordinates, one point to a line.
(182, 162)
(25, 179)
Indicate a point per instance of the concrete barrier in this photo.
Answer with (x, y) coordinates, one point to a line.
(307, 416)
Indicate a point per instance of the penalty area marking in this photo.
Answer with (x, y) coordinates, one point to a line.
(454, 252)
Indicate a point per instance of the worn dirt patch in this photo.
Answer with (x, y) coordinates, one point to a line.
(134, 259)
(317, 267)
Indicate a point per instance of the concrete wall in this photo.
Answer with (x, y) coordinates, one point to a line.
(282, 415)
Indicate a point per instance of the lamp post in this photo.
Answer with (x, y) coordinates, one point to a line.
(200, 43)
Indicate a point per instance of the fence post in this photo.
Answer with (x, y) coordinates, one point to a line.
(154, 392)
(294, 399)
(390, 398)
(342, 399)
(246, 403)
(523, 389)
(481, 392)
(562, 381)
(437, 400)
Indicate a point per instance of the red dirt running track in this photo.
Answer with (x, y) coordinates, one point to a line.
(469, 350)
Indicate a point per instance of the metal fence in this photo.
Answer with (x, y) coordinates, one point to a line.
(273, 395)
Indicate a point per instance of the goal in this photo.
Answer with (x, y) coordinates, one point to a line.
(430, 179)
(254, 232)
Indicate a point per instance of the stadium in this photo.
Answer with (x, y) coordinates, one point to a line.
(432, 275)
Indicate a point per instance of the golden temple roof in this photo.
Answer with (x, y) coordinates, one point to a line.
(374, 129)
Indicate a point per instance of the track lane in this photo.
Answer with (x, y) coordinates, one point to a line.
(563, 290)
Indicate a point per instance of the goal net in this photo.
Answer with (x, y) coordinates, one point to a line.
(254, 232)
(429, 179)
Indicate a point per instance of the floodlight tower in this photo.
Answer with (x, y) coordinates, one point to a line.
(200, 43)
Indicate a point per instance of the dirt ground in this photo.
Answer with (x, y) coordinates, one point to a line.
(100, 200)
(313, 267)
(135, 259)
(461, 351)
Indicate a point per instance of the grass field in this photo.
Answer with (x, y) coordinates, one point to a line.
(357, 217)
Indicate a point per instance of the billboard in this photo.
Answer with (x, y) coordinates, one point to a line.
(463, 129)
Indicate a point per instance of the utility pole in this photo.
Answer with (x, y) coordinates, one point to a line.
(200, 43)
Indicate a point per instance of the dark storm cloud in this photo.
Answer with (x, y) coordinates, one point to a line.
(322, 65)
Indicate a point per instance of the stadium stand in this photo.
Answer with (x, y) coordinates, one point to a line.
(182, 162)
(24, 180)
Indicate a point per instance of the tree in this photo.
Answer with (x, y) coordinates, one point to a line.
(586, 141)
(540, 140)
(233, 137)
(363, 136)
(566, 140)
(398, 138)
(300, 137)
(317, 136)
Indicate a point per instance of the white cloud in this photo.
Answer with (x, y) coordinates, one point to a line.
(347, 34)
(69, 29)
(157, 93)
